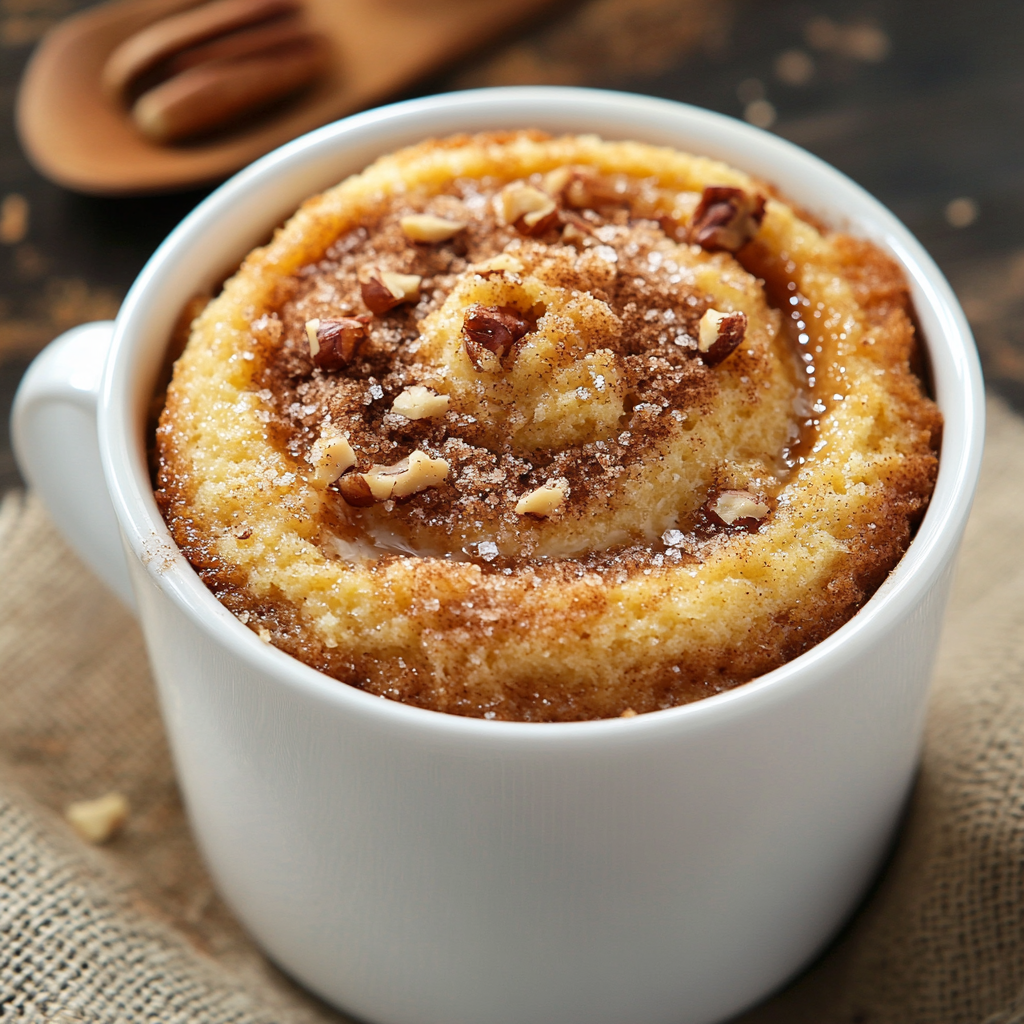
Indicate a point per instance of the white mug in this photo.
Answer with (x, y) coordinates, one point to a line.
(413, 867)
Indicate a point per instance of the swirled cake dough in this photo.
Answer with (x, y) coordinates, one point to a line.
(548, 429)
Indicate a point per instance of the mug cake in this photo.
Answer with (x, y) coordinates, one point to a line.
(549, 429)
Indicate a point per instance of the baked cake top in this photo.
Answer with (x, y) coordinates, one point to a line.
(548, 429)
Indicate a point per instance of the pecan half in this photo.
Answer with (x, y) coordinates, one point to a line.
(726, 218)
(216, 93)
(490, 334)
(720, 335)
(158, 43)
(333, 344)
(383, 290)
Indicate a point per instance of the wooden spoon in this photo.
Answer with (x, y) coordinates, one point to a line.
(79, 136)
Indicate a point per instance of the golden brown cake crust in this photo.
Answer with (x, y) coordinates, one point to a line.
(573, 554)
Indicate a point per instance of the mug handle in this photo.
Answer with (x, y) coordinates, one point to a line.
(53, 430)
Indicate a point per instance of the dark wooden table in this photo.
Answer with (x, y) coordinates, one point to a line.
(921, 102)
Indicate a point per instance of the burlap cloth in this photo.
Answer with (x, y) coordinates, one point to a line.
(134, 932)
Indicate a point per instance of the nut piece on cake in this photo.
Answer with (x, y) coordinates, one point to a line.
(420, 403)
(425, 227)
(490, 334)
(504, 264)
(720, 335)
(543, 501)
(330, 455)
(356, 491)
(410, 476)
(333, 344)
(738, 508)
(726, 218)
(529, 209)
(383, 290)
(583, 187)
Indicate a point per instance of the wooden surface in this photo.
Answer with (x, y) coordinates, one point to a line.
(80, 138)
(921, 102)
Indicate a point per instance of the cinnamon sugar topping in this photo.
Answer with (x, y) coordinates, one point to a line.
(517, 361)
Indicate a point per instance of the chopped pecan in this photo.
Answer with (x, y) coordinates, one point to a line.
(490, 334)
(96, 821)
(425, 227)
(720, 335)
(572, 235)
(356, 491)
(530, 210)
(333, 344)
(383, 290)
(543, 501)
(330, 455)
(726, 218)
(536, 224)
(737, 508)
(586, 188)
(420, 403)
(500, 264)
(410, 476)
